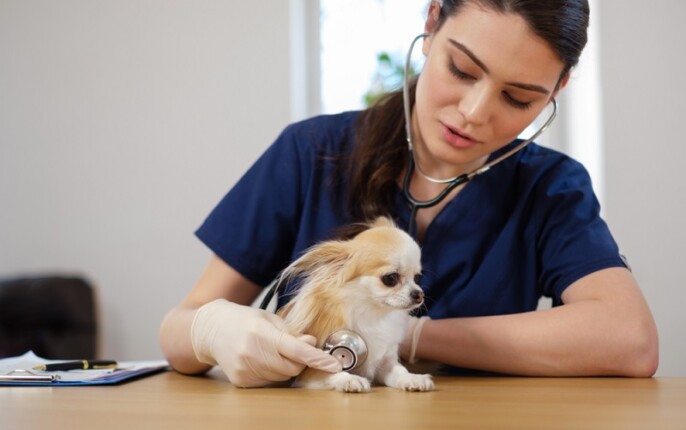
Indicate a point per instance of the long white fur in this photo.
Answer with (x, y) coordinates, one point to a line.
(342, 288)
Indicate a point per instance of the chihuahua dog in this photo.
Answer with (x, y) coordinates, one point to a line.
(368, 285)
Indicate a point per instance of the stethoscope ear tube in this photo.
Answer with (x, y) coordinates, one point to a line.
(422, 204)
(452, 183)
(273, 288)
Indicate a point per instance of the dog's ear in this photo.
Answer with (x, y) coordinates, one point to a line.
(330, 256)
(332, 253)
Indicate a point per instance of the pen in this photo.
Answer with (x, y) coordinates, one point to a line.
(28, 378)
(78, 365)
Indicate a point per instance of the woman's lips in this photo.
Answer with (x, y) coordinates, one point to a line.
(457, 139)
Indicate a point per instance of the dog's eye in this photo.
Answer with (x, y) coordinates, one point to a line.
(390, 279)
(417, 278)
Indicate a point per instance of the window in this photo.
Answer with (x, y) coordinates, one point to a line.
(353, 33)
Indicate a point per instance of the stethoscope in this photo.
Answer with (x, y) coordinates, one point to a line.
(456, 181)
(346, 345)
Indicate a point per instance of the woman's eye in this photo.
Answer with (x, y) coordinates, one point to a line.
(390, 279)
(516, 103)
(459, 74)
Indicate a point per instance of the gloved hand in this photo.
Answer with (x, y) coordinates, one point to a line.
(252, 346)
(413, 329)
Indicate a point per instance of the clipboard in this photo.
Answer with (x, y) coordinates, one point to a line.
(18, 371)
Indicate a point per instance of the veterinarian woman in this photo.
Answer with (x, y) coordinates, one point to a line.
(526, 228)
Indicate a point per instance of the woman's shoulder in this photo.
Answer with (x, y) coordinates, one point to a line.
(539, 171)
(543, 163)
(551, 177)
(326, 125)
(318, 135)
(543, 155)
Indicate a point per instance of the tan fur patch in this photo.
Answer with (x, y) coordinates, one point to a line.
(371, 249)
(317, 314)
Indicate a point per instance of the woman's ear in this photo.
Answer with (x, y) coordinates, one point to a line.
(432, 17)
(431, 24)
(563, 83)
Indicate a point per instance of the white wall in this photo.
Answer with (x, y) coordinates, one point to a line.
(122, 123)
(643, 68)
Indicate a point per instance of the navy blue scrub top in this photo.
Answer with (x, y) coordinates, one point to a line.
(527, 228)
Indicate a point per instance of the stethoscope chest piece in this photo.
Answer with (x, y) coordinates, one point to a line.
(348, 347)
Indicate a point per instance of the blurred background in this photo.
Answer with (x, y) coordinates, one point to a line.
(122, 124)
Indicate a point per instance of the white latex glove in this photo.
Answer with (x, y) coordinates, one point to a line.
(413, 329)
(252, 346)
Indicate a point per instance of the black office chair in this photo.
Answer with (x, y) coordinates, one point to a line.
(52, 315)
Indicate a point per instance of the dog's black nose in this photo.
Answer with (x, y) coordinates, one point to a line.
(417, 296)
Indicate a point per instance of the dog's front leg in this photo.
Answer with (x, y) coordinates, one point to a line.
(341, 381)
(395, 375)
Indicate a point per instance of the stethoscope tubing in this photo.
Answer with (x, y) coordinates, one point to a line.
(451, 183)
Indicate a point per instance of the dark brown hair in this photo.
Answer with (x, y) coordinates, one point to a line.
(380, 151)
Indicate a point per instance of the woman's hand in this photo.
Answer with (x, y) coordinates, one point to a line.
(252, 346)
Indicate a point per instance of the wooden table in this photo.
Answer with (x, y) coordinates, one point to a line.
(173, 401)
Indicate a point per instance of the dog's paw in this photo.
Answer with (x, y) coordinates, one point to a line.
(350, 383)
(415, 382)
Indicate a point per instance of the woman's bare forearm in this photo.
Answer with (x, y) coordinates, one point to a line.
(612, 333)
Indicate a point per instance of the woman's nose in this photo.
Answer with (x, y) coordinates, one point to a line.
(475, 105)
